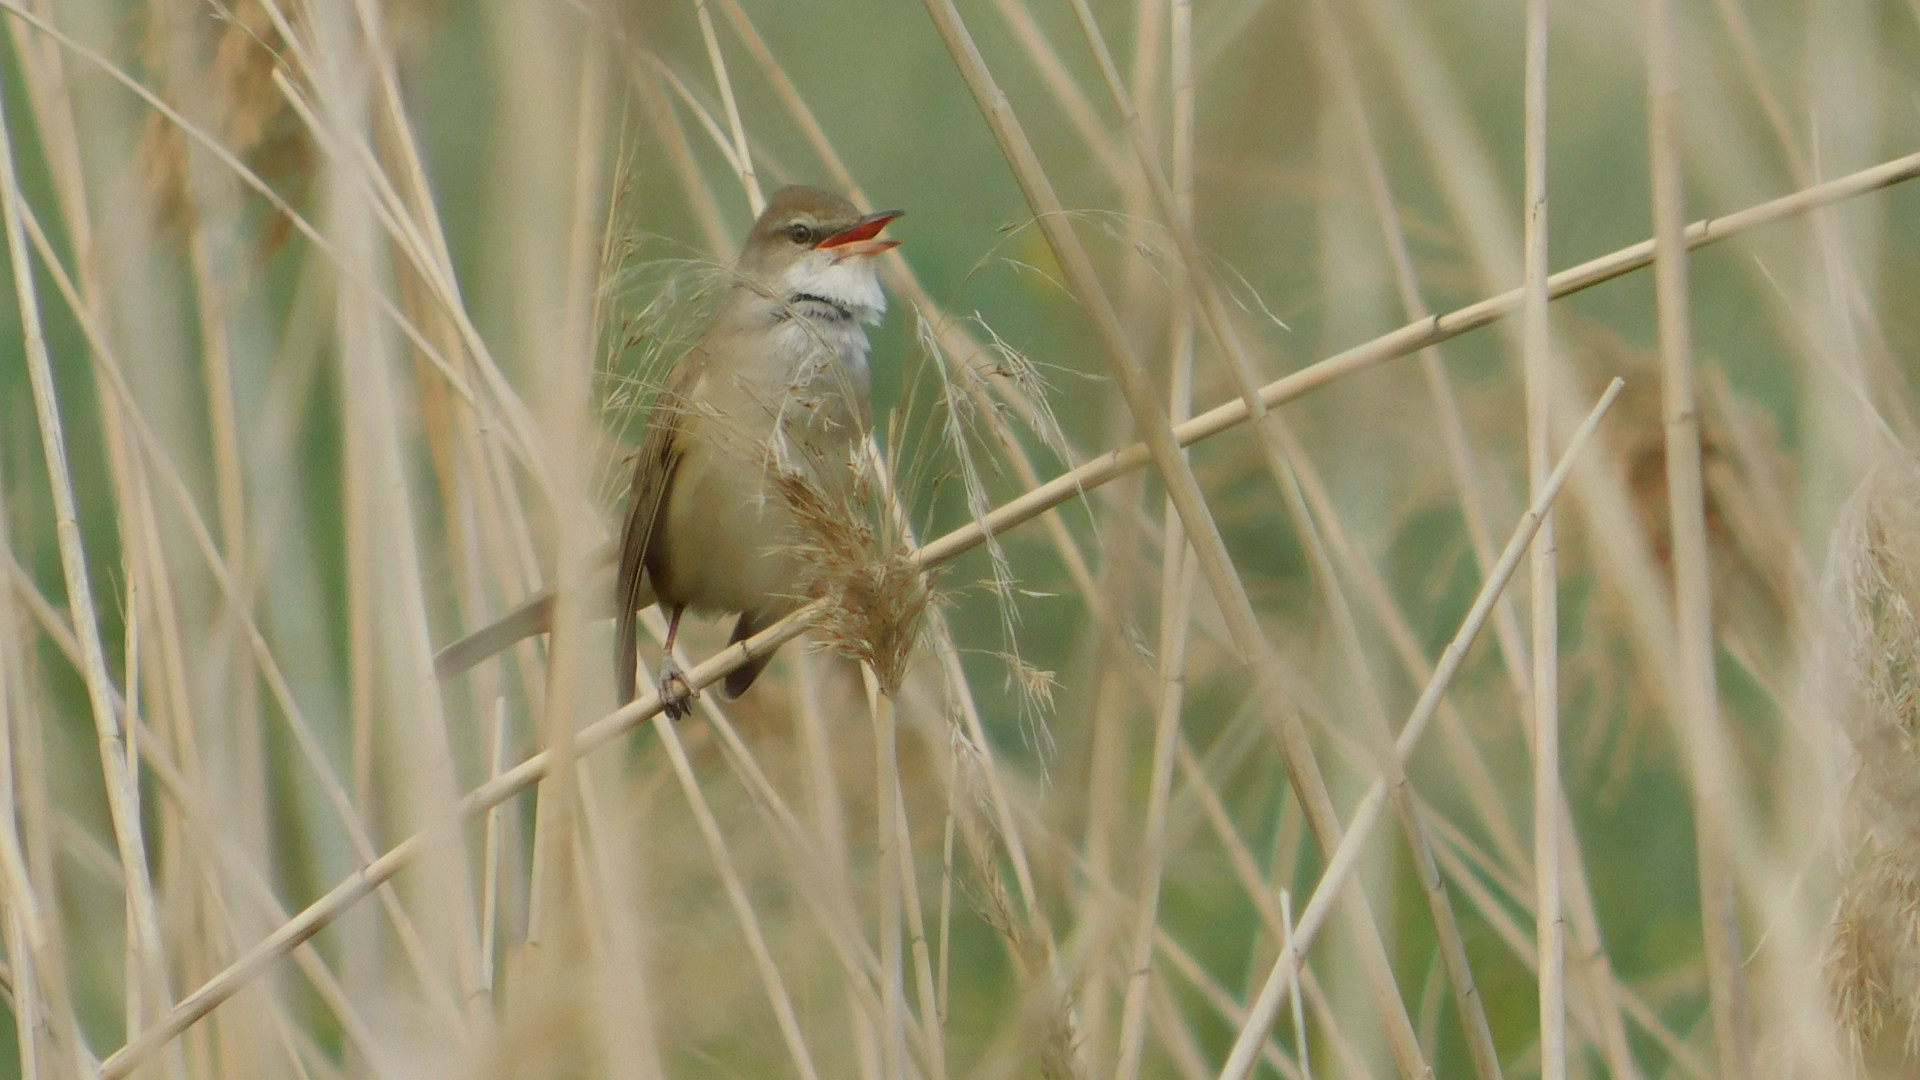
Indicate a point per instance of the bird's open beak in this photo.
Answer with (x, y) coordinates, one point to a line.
(863, 236)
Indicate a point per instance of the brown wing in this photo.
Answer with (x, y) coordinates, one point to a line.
(646, 499)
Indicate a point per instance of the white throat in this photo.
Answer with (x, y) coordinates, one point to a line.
(826, 288)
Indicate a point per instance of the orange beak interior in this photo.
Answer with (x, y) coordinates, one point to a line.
(863, 236)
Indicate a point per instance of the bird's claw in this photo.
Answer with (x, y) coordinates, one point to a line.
(676, 694)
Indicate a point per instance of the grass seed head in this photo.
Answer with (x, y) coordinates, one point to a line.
(876, 595)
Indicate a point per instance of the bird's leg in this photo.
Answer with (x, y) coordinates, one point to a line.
(676, 695)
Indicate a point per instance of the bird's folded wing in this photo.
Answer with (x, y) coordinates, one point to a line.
(652, 479)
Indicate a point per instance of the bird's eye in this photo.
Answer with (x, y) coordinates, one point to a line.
(800, 233)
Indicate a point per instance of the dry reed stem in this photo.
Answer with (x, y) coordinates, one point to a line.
(1092, 474)
(372, 422)
(1709, 752)
(1177, 568)
(887, 844)
(1341, 861)
(32, 923)
(1176, 607)
(147, 979)
(1543, 566)
(933, 1019)
(742, 154)
(769, 973)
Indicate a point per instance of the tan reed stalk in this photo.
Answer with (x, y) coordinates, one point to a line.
(566, 395)
(209, 236)
(932, 1012)
(59, 141)
(1543, 566)
(1100, 470)
(1107, 767)
(1177, 568)
(1082, 280)
(1341, 860)
(147, 978)
(614, 885)
(887, 843)
(1608, 1027)
(32, 923)
(742, 153)
(1176, 605)
(372, 405)
(769, 973)
(490, 859)
(1709, 753)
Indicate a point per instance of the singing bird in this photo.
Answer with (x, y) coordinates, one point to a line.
(776, 388)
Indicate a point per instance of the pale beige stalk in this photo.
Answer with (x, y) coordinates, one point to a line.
(1543, 566)
(1710, 752)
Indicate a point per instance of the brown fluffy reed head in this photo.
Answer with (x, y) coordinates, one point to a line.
(876, 596)
(1873, 962)
(1874, 573)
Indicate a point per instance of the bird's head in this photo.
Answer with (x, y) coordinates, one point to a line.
(813, 244)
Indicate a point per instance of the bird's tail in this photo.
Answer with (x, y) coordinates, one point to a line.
(534, 616)
(740, 678)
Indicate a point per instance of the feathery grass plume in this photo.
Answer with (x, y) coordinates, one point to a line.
(1873, 965)
(964, 410)
(876, 596)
